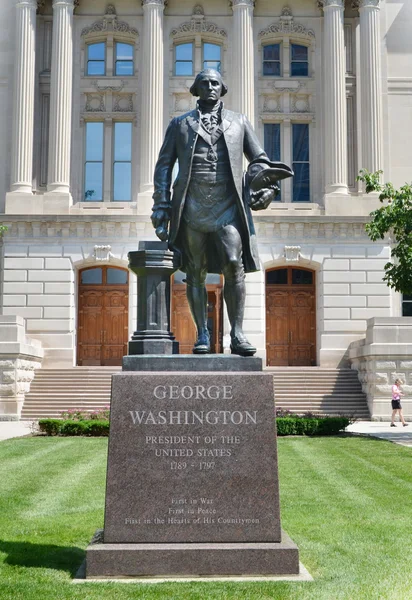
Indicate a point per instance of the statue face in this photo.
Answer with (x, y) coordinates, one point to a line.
(209, 88)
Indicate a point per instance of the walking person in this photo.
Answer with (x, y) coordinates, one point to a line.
(396, 403)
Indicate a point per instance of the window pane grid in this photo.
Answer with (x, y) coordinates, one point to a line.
(300, 165)
(212, 56)
(122, 162)
(271, 133)
(124, 59)
(96, 59)
(184, 59)
(271, 60)
(299, 64)
(93, 170)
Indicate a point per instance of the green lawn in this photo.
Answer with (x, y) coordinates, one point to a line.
(346, 502)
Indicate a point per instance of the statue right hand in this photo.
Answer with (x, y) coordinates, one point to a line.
(160, 220)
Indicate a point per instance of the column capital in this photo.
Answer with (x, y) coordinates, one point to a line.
(322, 4)
(155, 2)
(248, 3)
(358, 4)
(26, 3)
(65, 3)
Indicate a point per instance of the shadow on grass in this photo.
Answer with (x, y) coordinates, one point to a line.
(26, 554)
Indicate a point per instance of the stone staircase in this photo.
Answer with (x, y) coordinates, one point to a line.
(319, 390)
(55, 390)
(299, 389)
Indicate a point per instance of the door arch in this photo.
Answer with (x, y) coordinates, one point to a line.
(290, 317)
(103, 307)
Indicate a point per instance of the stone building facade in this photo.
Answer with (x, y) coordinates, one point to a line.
(87, 88)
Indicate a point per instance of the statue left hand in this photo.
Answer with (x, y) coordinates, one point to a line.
(262, 199)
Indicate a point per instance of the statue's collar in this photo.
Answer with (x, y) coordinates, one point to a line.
(194, 119)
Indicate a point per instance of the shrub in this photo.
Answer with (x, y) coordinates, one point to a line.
(74, 428)
(50, 426)
(313, 425)
(98, 428)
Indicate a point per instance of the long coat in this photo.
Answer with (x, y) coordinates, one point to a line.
(179, 144)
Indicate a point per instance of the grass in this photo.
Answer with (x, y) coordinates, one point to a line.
(347, 503)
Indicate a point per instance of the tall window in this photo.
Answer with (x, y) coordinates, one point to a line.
(93, 176)
(122, 162)
(211, 56)
(299, 64)
(300, 166)
(96, 59)
(271, 60)
(272, 144)
(184, 59)
(123, 59)
(407, 305)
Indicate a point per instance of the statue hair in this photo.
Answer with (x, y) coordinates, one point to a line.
(199, 76)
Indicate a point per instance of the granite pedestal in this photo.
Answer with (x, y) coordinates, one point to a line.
(192, 484)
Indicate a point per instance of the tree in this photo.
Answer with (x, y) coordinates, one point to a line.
(394, 217)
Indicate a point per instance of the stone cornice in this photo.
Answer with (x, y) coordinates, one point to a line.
(112, 228)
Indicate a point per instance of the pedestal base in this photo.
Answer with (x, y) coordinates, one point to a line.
(150, 347)
(137, 560)
(191, 362)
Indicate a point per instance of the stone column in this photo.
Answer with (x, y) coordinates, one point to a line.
(23, 110)
(152, 86)
(371, 89)
(336, 162)
(243, 68)
(61, 97)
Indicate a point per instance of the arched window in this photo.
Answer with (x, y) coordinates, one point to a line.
(184, 59)
(212, 56)
(271, 60)
(124, 59)
(96, 59)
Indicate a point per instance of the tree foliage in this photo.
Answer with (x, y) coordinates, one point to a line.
(394, 218)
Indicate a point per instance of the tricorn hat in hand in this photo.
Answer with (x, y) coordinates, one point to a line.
(263, 173)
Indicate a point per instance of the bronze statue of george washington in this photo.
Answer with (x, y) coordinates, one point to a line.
(211, 227)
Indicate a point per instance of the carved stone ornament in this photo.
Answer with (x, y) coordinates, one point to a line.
(271, 104)
(292, 253)
(116, 87)
(326, 3)
(286, 11)
(110, 23)
(197, 24)
(123, 103)
(95, 103)
(299, 104)
(40, 5)
(286, 25)
(358, 4)
(182, 102)
(102, 253)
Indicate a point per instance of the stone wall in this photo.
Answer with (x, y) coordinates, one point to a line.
(19, 359)
(383, 356)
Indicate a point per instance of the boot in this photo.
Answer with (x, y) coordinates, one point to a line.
(235, 295)
(197, 298)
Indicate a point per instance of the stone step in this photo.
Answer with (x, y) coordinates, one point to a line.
(299, 389)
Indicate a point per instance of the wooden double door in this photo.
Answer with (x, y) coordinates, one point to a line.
(102, 333)
(182, 324)
(290, 317)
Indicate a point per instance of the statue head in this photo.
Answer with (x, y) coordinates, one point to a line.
(209, 78)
